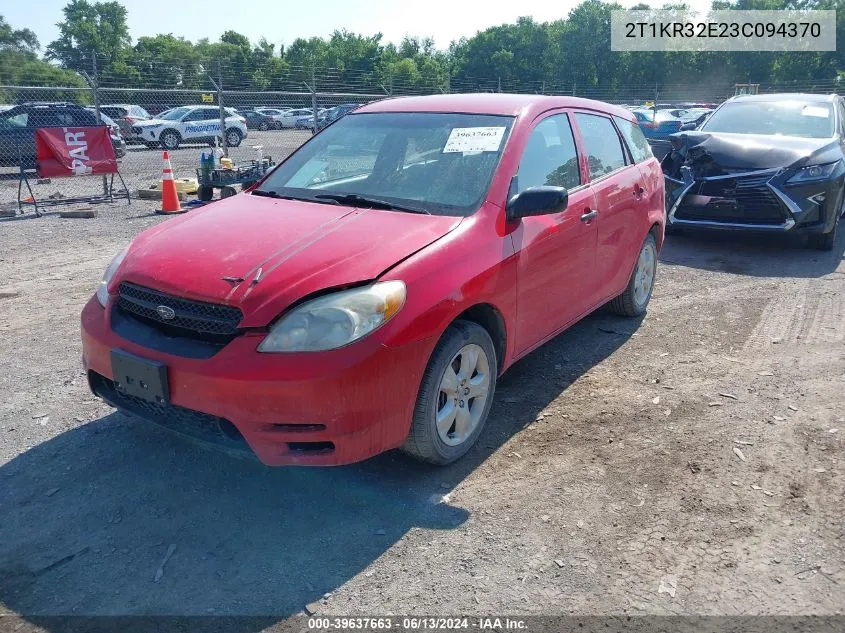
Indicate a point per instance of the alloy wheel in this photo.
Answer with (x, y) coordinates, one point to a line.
(644, 273)
(463, 393)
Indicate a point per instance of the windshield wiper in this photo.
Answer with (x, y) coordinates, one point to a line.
(269, 194)
(366, 201)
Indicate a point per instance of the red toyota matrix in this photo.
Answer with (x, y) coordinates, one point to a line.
(369, 291)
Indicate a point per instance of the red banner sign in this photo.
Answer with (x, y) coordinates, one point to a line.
(74, 151)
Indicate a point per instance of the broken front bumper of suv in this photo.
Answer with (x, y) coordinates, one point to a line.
(759, 200)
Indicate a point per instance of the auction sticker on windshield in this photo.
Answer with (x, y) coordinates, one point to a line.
(474, 139)
(822, 113)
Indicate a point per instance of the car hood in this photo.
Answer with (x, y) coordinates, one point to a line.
(152, 123)
(741, 152)
(262, 254)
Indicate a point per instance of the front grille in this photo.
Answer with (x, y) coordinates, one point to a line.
(196, 320)
(200, 426)
(755, 202)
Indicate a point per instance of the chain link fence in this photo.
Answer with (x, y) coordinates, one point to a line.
(307, 92)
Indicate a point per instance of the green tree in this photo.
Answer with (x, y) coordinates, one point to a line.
(17, 40)
(20, 66)
(166, 61)
(88, 29)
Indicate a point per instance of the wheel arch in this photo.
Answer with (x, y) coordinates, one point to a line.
(658, 235)
(490, 318)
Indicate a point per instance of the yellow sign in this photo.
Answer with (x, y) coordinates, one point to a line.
(648, 104)
(208, 98)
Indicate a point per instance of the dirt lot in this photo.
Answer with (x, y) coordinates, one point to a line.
(690, 463)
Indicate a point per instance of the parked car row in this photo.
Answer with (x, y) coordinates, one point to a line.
(18, 125)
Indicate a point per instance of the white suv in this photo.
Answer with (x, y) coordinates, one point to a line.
(190, 124)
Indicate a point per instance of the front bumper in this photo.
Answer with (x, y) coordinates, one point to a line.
(319, 409)
(758, 201)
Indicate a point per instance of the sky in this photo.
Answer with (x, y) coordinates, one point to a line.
(283, 21)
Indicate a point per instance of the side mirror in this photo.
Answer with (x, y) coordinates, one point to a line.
(686, 127)
(536, 201)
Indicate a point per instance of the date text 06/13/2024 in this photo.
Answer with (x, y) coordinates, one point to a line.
(416, 624)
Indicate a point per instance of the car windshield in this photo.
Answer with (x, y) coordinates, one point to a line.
(174, 115)
(439, 163)
(665, 115)
(784, 118)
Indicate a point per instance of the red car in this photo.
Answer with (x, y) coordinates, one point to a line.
(369, 291)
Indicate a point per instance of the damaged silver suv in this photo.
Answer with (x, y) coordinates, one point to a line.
(771, 163)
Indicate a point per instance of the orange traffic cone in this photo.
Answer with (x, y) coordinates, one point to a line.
(169, 196)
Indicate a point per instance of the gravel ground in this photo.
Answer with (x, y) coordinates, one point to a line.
(690, 463)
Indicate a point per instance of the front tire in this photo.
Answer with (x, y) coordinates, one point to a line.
(205, 193)
(634, 301)
(170, 140)
(826, 241)
(263, 126)
(455, 395)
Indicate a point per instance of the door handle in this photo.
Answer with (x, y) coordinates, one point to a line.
(638, 191)
(589, 215)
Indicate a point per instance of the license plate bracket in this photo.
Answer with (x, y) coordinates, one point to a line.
(139, 377)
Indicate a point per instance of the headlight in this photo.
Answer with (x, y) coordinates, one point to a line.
(813, 172)
(335, 320)
(103, 288)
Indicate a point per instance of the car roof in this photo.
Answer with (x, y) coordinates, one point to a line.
(489, 103)
(789, 96)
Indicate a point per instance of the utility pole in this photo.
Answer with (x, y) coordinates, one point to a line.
(313, 90)
(218, 86)
(93, 83)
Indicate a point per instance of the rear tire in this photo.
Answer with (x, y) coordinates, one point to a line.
(263, 126)
(233, 137)
(463, 363)
(634, 301)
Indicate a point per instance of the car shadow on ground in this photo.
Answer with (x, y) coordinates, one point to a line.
(751, 254)
(90, 515)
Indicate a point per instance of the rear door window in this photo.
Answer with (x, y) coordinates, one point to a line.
(80, 117)
(634, 138)
(601, 144)
(114, 112)
(550, 157)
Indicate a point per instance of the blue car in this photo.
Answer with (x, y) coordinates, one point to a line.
(659, 126)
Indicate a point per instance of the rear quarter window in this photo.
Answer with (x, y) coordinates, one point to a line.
(113, 111)
(601, 144)
(634, 139)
